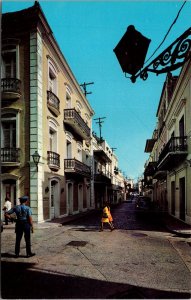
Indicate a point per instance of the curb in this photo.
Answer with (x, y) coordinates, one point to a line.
(178, 233)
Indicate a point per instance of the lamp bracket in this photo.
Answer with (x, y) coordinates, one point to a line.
(170, 59)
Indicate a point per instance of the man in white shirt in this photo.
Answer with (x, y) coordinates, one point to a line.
(7, 206)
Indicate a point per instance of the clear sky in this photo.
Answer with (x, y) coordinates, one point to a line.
(87, 32)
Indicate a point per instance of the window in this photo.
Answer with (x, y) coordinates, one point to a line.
(78, 107)
(68, 149)
(9, 62)
(181, 127)
(52, 137)
(69, 138)
(79, 151)
(8, 129)
(52, 79)
(68, 98)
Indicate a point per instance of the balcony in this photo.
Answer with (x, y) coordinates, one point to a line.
(101, 178)
(173, 153)
(76, 167)
(150, 168)
(53, 159)
(53, 103)
(102, 156)
(75, 121)
(10, 88)
(10, 157)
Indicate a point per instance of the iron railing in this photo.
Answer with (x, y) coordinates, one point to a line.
(53, 100)
(72, 115)
(10, 155)
(175, 145)
(74, 165)
(11, 85)
(53, 159)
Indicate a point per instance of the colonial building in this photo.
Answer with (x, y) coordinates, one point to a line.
(108, 180)
(44, 112)
(169, 165)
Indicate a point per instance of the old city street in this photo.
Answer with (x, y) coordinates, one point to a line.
(139, 259)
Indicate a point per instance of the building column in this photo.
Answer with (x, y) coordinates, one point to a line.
(36, 178)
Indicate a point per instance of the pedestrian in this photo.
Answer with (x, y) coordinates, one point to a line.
(6, 207)
(24, 224)
(106, 217)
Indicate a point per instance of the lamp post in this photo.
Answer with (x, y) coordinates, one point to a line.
(36, 158)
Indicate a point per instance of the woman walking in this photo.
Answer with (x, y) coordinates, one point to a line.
(106, 217)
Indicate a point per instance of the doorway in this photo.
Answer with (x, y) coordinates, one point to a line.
(173, 197)
(55, 199)
(182, 198)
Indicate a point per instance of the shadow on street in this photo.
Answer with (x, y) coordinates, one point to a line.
(18, 279)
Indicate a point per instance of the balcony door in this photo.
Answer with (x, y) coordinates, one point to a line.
(8, 131)
(182, 198)
(181, 127)
(9, 61)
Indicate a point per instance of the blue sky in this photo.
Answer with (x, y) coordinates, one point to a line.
(87, 32)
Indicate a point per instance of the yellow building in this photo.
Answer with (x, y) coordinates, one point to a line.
(44, 111)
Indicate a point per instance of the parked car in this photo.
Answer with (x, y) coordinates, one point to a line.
(143, 204)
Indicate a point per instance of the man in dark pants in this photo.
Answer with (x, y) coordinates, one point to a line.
(24, 224)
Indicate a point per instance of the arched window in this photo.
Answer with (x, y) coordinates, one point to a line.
(52, 78)
(79, 107)
(68, 97)
(53, 136)
(10, 59)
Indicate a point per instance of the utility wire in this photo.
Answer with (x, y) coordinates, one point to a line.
(167, 32)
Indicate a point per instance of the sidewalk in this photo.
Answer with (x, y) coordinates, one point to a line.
(176, 226)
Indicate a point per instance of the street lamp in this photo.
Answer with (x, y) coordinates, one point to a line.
(131, 50)
(36, 158)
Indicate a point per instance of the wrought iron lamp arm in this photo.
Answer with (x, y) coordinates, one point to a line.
(172, 58)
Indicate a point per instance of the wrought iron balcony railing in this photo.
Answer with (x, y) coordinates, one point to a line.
(73, 118)
(53, 160)
(174, 151)
(11, 88)
(53, 103)
(10, 155)
(76, 166)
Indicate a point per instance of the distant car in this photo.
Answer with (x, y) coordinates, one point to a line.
(143, 204)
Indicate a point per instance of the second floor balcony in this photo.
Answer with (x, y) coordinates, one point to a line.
(53, 159)
(53, 103)
(174, 152)
(75, 121)
(10, 157)
(102, 178)
(10, 88)
(151, 168)
(76, 167)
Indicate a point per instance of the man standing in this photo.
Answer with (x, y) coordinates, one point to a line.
(24, 224)
(7, 207)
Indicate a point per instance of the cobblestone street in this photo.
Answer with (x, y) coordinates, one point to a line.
(139, 259)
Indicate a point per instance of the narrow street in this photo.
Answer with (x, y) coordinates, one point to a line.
(138, 260)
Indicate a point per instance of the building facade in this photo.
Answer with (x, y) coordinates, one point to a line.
(43, 111)
(169, 164)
